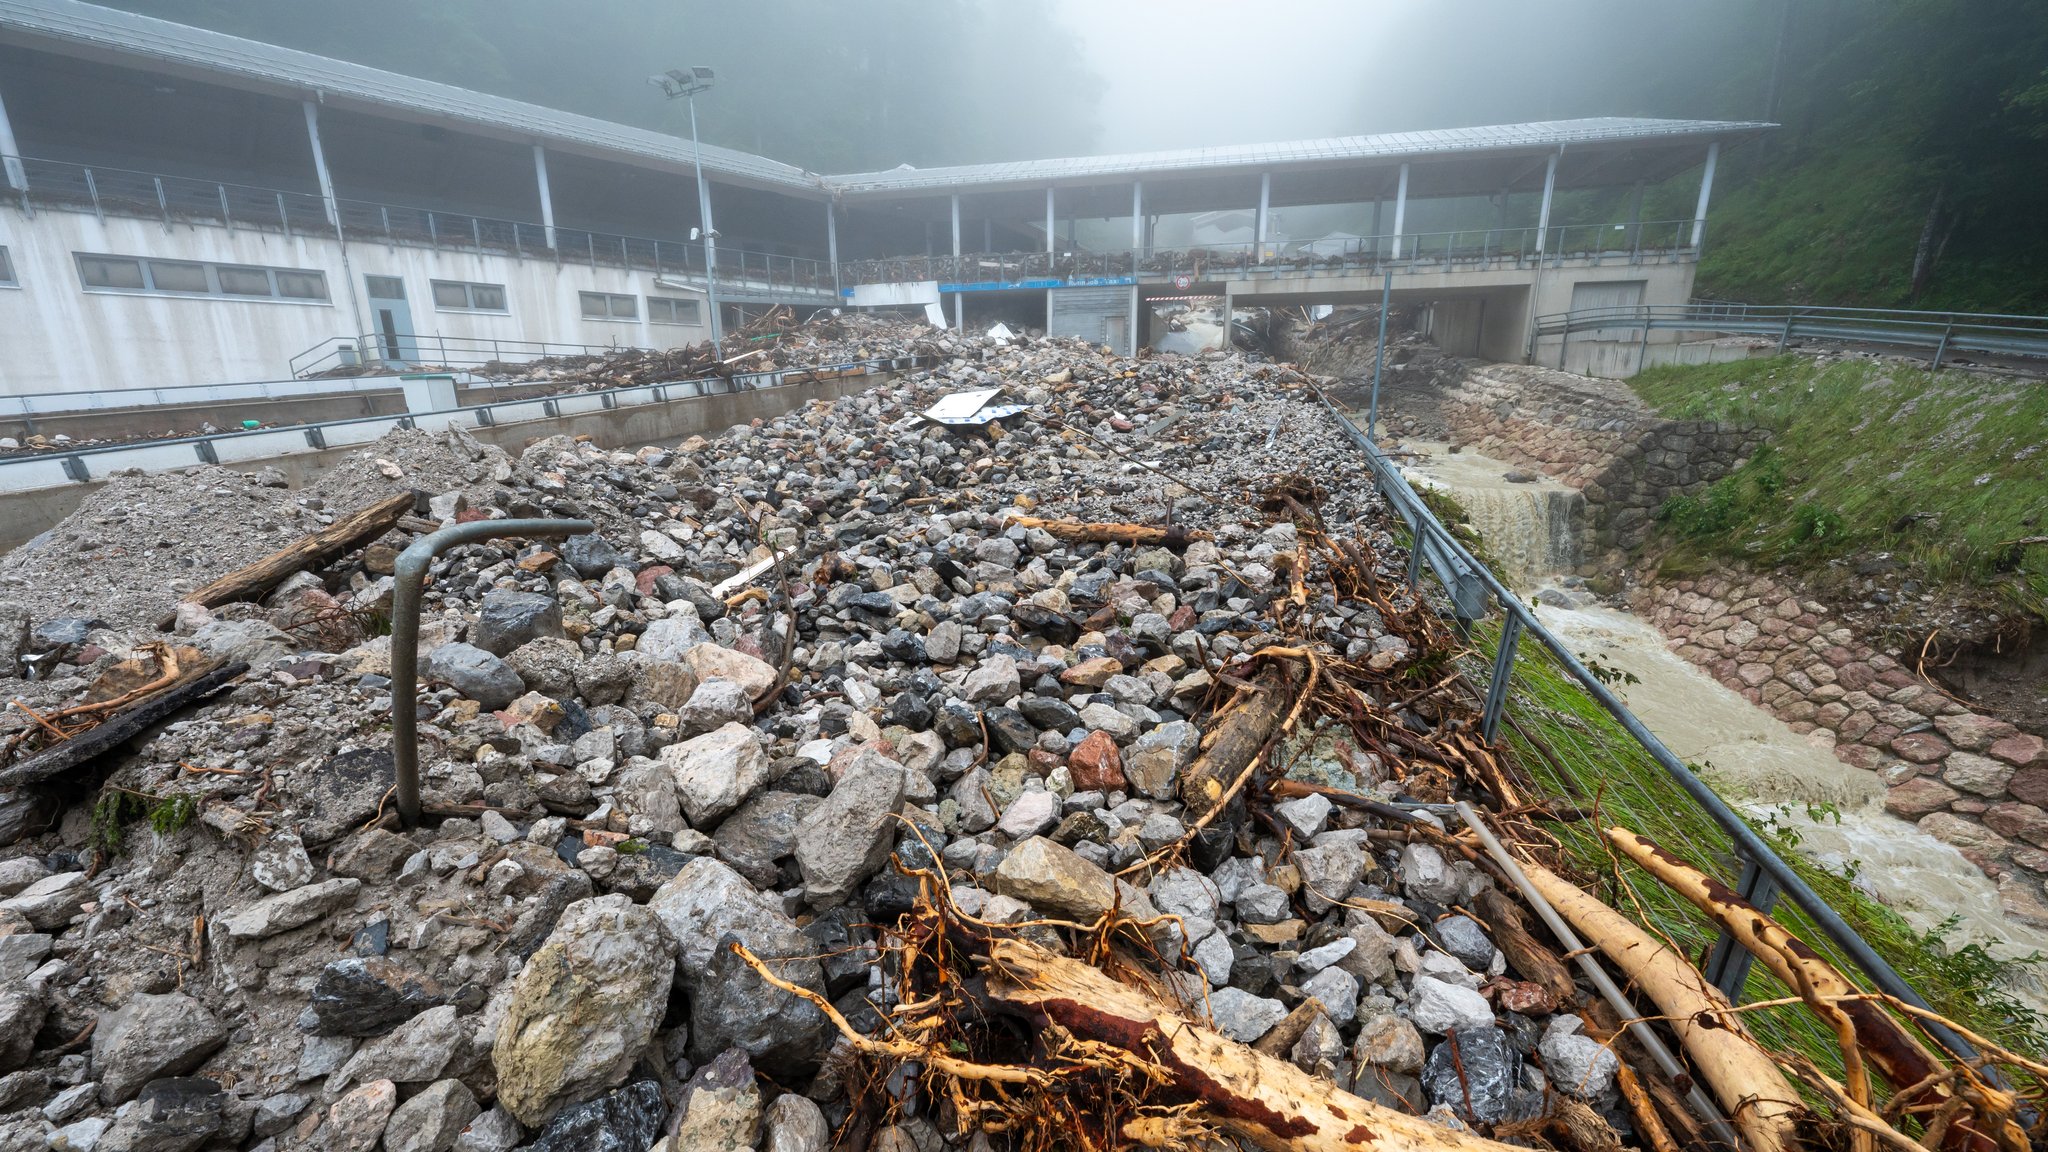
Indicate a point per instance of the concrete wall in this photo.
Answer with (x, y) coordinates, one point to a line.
(1620, 357)
(60, 337)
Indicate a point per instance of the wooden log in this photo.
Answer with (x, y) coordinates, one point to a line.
(116, 730)
(351, 531)
(1238, 733)
(1738, 1073)
(1531, 959)
(1255, 1097)
(1876, 1034)
(1079, 532)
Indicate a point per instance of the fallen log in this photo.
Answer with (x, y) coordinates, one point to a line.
(1238, 734)
(1873, 1033)
(351, 531)
(1079, 532)
(1529, 957)
(1253, 1096)
(116, 730)
(1739, 1074)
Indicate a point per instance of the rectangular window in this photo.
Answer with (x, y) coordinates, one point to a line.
(385, 287)
(6, 266)
(609, 306)
(670, 310)
(188, 278)
(452, 294)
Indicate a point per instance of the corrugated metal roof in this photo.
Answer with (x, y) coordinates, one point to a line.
(161, 40)
(1298, 153)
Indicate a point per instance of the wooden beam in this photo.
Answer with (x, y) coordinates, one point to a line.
(351, 531)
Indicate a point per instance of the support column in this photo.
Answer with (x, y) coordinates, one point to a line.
(1229, 311)
(1543, 214)
(1376, 224)
(320, 162)
(547, 201)
(832, 242)
(1137, 221)
(13, 172)
(956, 225)
(1051, 225)
(1259, 221)
(1400, 210)
(1699, 214)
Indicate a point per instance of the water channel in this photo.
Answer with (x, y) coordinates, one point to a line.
(1531, 526)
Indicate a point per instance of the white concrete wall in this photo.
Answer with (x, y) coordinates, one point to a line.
(57, 337)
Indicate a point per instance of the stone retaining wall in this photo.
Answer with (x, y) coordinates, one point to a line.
(1968, 780)
(1595, 435)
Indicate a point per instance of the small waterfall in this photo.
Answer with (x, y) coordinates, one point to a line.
(1533, 529)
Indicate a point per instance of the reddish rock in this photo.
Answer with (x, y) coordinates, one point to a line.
(1095, 764)
(1041, 761)
(1920, 796)
(1855, 676)
(1979, 843)
(1092, 673)
(1882, 735)
(1832, 714)
(644, 582)
(1921, 747)
(2019, 750)
(2019, 821)
(1860, 756)
(1183, 618)
(2030, 784)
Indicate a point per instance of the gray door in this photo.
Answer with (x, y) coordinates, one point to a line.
(393, 340)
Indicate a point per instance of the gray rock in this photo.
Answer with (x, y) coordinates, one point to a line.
(1184, 892)
(494, 1130)
(716, 702)
(1372, 961)
(475, 673)
(1437, 1007)
(50, 903)
(280, 863)
(1316, 959)
(970, 795)
(172, 1114)
(20, 954)
(149, 1037)
(19, 873)
(356, 1121)
(14, 630)
(1030, 814)
(366, 995)
(1305, 817)
(77, 1136)
(324, 1055)
(1242, 1016)
(415, 1052)
(1215, 958)
(583, 1008)
(794, 1124)
(716, 772)
(1579, 1065)
(942, 643)
(1426, 875)
(1473, 1066)
(70, 1102)
(275, 1114)
(1463, 938)
(1262, 904)
(1154, 762)
(285, 911)
(721, 1106)
(1338, 990)
(508, 619)
(846, 838)
(993, 681)
(592, 555)
(763, 833)
(430, 1121)
(628, 1120)
(252, 642)
(21, 1017)
(1328, 873)
(1389, 1042)
(645, 788)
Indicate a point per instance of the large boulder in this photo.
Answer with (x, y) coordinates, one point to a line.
(716, 772)
(475, 673)
(847, 837)
(583, 1008)
(172, 1114)
(708, 906)
(509, 618)
(288, 910)
(149, 1037)
(628, 1120)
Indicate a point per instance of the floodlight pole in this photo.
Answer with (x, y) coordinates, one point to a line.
(710, 236)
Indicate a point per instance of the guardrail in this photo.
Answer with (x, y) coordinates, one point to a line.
(60, 184)
(1473, 589)
(412, 352)
(60, 469)
(36, 404)
(1474, 247)
(1941, 333)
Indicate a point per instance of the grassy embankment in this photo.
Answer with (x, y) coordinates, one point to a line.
(1946, 472)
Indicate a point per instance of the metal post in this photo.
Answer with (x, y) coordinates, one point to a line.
(1942, 347)
(1699, 213)
(832, 242)
(410, 571)
(547, 200)
(1727, 966)
(1379, 356)
(1543, 214)
(1260, 222)
(227, 218)
(1785, 337)
(92, 189)
(284, 218)
(10, 154)
(320, 161)
(1137, 228)
(956, 235)
(1643, 346)
(710, 234)
(163, 205)
(1051, 225)
(1400, 210)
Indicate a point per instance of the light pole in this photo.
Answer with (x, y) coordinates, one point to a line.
(684, 84)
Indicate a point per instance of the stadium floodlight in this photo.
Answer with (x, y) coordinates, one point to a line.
(684, 84)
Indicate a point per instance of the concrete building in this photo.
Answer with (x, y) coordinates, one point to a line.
(179, 206)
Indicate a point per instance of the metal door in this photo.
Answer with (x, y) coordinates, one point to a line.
(391, 320)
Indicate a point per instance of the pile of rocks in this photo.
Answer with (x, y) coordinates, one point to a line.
(632, 759)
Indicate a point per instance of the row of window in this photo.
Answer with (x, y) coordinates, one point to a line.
(660, 309)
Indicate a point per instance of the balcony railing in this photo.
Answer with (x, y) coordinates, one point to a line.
(1469, 248)
(62, 185)
(1939, 333)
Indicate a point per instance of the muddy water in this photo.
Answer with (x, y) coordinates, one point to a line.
(1751, 757)
(1531, 524)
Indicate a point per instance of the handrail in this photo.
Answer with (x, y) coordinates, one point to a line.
(66, 185)
(375, 348)
(1429, 533)
(1992, 333)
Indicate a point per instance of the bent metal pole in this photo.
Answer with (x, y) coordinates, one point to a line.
(410, 573)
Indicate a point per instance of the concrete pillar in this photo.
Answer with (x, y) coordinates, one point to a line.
(832, 241)
(13, 172)
(1229, 309)
(1400, 210)
(1549, 189)
(1376, 224)
(320, 162)
(960, 311)
(1259, 221)
(1137, 216)
(547, 201)
(1699, 214)
(956, 224)
(1051, 241)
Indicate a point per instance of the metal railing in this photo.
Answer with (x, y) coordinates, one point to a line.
(1474, 247)
(63, 185)
(1473, 589)
(411, 352)
(1941, 333)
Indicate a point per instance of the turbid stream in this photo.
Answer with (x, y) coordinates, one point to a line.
(1758, 763)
